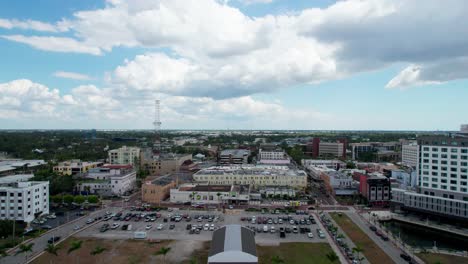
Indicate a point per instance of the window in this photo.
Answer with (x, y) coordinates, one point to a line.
(454, 150)
(444, 149)
(435, 149)
(426, 148)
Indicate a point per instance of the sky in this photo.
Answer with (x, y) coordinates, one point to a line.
(238, 64)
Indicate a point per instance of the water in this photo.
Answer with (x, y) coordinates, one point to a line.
(421, 237)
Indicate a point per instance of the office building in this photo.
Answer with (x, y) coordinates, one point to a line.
(357, 149)
(24, 200)
(162, 164)
(109, 180)
(233, 244)
(335, 182)
(75, 167)
(256, 176)
(124, 155)
(410, 155)
(271, 154)
(157, 189)
(233, 156)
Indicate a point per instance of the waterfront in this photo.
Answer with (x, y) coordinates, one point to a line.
(421, 237)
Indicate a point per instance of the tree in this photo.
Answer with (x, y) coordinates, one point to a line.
(193, 260)
(97, 250)
(3, 253)
(79, 199)
(25, 248)
(68, 199)
(75, 245)
(277, 260)
(52, 249)
(93, 199)
(358, 250)
(163, 251)
(332, 257)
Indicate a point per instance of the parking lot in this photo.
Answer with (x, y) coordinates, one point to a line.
(174, 225)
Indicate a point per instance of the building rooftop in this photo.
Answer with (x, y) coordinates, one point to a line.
(12, 164)
(235, 152)
(233, 244)
(20, 185)
(261, 170)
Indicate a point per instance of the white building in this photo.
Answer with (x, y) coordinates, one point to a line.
(410, 155)
(124, 155)
(443, 166)
(109, 180)
(331, 164)
(234, 156)
(16, 178)
(407, 179)
(256, 176)
(273, 156)
(210, 194)
(24, 201)
(334, 149)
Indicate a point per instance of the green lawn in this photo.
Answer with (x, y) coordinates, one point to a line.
(295, 253)
(432, 258)
(372, 252)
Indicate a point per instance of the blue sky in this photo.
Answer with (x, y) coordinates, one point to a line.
(233, 64)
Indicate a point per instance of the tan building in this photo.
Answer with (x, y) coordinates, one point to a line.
(124, 155)
(164, 164)
(73, 167)
(158, 189)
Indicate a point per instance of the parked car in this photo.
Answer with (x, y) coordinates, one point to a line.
(46, 227)
(160, 227)
(53, 239)
(310, 235)
(148, 227)
(373, 228)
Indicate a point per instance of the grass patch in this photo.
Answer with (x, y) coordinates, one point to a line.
(372, 252)
(295, 253)
(432, 258)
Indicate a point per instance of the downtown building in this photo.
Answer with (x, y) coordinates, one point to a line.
(442, 178)
(108, 180)
(23, 200)
(410, 155)
(124, 155)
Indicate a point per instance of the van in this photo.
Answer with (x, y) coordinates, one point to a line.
(139, 235)
(265, 228)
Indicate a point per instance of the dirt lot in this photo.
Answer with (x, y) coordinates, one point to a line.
(372, 252)
(431, 258)
(127, 251)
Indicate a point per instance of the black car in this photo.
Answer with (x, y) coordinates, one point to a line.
(405, 257)
(53, 239)
(373, 228)
(189, 227)
(171, 226)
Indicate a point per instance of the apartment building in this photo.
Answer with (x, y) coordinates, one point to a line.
(124, 155)
(331, 149)
(233, 156)
(271, 154)
(162, 164)
(109, 180)
(410, 155)
(75, 167)
(256, 176)
(24, 200)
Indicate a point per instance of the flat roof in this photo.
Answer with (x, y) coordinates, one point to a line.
(260, 170)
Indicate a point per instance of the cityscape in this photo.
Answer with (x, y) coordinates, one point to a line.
(239, 131)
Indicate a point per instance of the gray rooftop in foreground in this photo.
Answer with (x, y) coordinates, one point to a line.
(233, 244)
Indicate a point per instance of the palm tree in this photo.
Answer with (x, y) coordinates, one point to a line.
(358, 250)
(277, 260)
(98, 250)
(163, 251)
(75, 245)
(332, 257)
(25, 248)
(52, 249)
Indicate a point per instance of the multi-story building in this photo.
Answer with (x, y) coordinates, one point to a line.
(234, 156)
(156, 190)
(211, 194)
(109, 180)
(75, 167)
(24, 200)
(410, 155)
(255, 176)
(271, 154)
(375, 187)
(443, 166)
(331, 149)
(10, 166)
(358, 148)
(162, 164)
(124, 155)
(335, 182)
(405, 178)
(331, 164)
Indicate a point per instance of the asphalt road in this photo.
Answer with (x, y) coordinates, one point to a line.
(40, 243)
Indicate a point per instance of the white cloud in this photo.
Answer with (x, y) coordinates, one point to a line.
(35, 25)
(55, 44)
(72, 75)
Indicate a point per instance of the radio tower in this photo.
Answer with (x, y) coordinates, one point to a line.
(157, 129)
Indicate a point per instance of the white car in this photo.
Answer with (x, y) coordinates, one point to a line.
(310, 235)
(272, 229)
(52, 216)
(89, 221)
(115, 225)
(265, 228)
(160, 226)
(148, 227)
(76, 227)
(212, 227)
(206, 227)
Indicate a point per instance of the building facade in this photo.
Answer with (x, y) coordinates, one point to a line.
(256, 176)
(163, 164)
(24, 200)
(410, 155)
(124, 155)
(157, 189)
(331, 164)
(233, 156)
(109, 180)
(75, 167)
(331, 149)
(210, 194)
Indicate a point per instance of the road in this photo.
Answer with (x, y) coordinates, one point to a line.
(40, 243)
(392, 251)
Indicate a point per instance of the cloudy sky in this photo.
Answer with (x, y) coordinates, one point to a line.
(251, 64)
